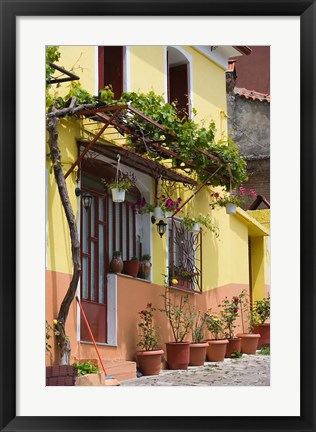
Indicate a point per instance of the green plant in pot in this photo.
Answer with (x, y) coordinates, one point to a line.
(131, 267)
(149, 358)
(229, 311)
(198, 346)
(122, 183)
(234, 198)
(193, 223)
(145, 267)
(261, 313)
(217, 345)
(116, 264)
(249, 339)
(178, 312)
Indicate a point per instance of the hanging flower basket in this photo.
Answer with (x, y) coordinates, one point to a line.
(118, 195)
(158, 213)
(196, 227)
(122, 183)
(231, 208)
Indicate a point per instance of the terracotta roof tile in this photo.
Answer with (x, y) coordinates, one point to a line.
(252, 94)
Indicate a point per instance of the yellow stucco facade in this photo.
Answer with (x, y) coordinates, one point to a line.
(226, 258)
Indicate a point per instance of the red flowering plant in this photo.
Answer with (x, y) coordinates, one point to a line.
(237, 196)
(165, 203)
(182, 273)
(246, 312)
(168, 204)
(148, 335)
(229, 313)
(143, 207)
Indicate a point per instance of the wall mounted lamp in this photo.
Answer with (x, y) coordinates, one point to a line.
(86, 198)
(161, 227)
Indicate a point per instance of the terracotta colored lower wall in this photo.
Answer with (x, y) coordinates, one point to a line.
(132, 296)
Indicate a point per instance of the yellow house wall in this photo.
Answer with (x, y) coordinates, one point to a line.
(261, 265)
(224, 259)
(80, 60)
(147, 72)
(209, 100)
(58, 236)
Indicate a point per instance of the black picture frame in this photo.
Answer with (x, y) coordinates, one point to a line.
(9, 10)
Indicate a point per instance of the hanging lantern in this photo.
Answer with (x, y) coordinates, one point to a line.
(161, 227)
(86, 198)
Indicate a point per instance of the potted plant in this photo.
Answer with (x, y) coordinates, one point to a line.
(144, 267)
(118, 186)
(261, 313)
(198, 347)
(229, 314)
(131, 267)
(249, 340)
(116, 264)
(149, 358)
(217, 346)
(193, 223)
(165, 206)
(184, 278)
(179, 315)
(162, 207)
(233, 199)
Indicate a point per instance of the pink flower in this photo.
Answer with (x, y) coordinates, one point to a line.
(242, 190)
(253, 192)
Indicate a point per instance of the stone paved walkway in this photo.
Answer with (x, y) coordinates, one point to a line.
(248, 370)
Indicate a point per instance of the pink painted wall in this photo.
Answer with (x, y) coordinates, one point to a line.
(133, 296)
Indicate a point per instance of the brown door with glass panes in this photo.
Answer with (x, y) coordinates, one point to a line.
(94, 264)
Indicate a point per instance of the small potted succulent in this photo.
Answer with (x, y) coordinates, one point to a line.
(178, 312)
(261, 313)
(229, 311)
(116, 264)
(131, 267)
(144, 267)
(122, 183)
(198, 346)
(149, 358)
(217, 346)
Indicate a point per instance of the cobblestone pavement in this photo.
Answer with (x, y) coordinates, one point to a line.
(248, 370)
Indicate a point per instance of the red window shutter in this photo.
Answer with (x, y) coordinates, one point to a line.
(179, 87)
(111, 68)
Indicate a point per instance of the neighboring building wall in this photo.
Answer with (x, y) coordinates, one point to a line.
(254, 70)
(259, 177)
(249, 127)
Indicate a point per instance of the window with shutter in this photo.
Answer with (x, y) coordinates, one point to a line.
(111, 70)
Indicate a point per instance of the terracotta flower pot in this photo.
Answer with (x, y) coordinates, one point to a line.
(144, 269)
(249, 342)
(216, 350)
(233, 345)
(131, 267)
(149, 362)
(178, 355)
(198, 353)
(264, 331)
(116, 264)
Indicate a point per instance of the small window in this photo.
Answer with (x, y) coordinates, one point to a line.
(111, 69)
(178, 81)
